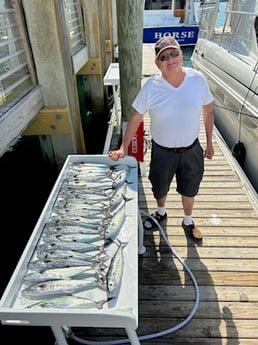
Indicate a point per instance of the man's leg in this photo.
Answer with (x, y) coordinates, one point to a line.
(188, 224)
(159, 215)
(188, 203)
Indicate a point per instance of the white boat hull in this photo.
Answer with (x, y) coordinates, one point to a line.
(230, 67)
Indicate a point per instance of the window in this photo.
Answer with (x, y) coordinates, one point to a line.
(16, 78)
(75, 24)
(157, 4)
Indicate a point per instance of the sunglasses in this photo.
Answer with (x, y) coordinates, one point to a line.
(165, 57)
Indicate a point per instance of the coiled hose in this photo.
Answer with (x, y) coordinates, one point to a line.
(166, 331)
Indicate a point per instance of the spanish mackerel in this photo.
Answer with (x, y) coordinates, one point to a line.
(99, 256)
(55, 273)
(51, 229)
(76, 246)
(43, 264)
(60, 287)
(74, 237)
(115, 271)
(69, 302)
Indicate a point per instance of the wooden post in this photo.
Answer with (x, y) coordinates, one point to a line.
(95, 36)
(130, 37)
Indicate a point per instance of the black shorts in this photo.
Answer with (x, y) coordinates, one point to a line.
(187, 166)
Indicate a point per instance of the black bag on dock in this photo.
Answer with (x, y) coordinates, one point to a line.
(238, 151)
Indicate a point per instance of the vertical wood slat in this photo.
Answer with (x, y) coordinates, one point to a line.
(130, 28)
(70, 79)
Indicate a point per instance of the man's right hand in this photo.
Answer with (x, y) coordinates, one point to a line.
(117, 154)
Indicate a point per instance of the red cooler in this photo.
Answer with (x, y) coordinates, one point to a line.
(135, 149)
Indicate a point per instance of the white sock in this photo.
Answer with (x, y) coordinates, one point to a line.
(188, 220)
(161, 210)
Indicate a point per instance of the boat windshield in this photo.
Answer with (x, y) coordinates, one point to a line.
(157, 5)
(233, 25)
(183, 10)
(164, 4)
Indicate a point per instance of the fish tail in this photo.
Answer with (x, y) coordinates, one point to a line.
(126, 198)
(99, 266)
(119, 243)
(100, 304)
(102, 282)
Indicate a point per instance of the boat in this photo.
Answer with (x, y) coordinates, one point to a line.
(174, 17)
(226, 53)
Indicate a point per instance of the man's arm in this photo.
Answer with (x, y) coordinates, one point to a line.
(208, 119)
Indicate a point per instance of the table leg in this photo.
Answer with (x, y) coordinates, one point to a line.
(141, 248)
(59, 335)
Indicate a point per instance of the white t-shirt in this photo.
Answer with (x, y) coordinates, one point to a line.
(174, 111)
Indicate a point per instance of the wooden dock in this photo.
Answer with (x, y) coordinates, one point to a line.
(225, 265)
(224, 309)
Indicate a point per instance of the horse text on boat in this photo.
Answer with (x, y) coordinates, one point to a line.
(173, 17)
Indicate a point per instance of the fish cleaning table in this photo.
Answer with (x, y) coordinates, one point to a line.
(121, 311)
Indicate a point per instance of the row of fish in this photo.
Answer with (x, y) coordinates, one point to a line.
(79, 249)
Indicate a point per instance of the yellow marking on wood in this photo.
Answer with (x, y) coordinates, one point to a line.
(92, 67)
(108, 46)
(50, 121)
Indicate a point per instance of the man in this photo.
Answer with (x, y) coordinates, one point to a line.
(174, 101)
